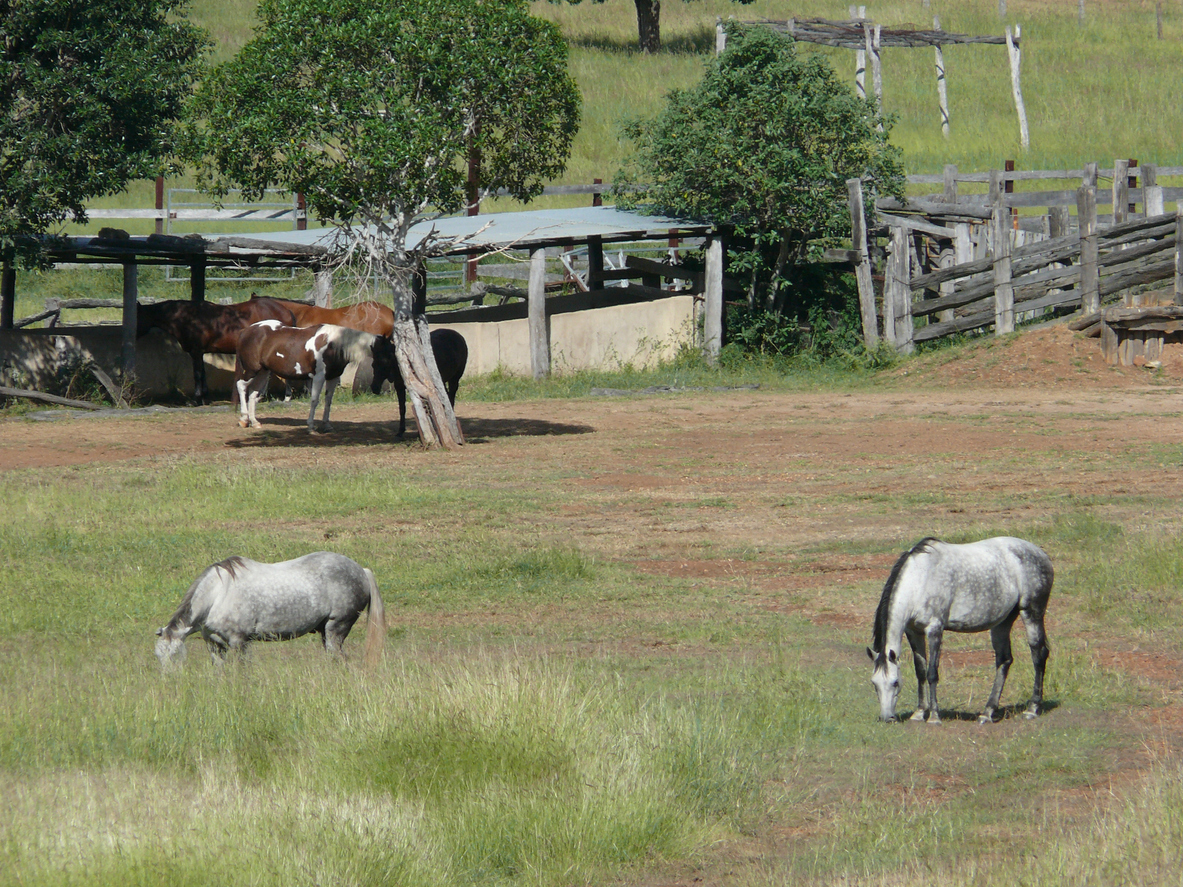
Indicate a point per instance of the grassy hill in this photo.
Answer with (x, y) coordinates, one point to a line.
(1092, 93)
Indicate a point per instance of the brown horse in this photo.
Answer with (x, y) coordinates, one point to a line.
(369, 317)
(451, 356)
(206, 328)
(320, 353)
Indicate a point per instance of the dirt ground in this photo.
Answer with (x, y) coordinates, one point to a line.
(995, 430)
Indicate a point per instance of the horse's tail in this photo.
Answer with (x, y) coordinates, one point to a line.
(375, 624)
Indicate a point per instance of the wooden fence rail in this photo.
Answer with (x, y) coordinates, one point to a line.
(954, 263)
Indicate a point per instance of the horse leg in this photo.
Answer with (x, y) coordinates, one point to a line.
(255, 390)
(1000, 636)
(241, 385)
(934, 636)
(330, 387)
(200, 394)
(916, 642)
(1037, 639)
(334, 634)
(318, 384)
(401, 391)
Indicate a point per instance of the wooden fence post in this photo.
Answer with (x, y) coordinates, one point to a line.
(862, 270)
(1004, 290)
(1179, 253)
(897, 293)
(1152, 197)
(536, 311)
(942, 94)
(1086, 215)
(1121, 191)
(1015, 54)
(713, 300)
(860, 57)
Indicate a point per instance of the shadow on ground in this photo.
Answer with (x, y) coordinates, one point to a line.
(290, 431)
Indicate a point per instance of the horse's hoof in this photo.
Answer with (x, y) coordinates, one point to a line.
(917, 715)
(243, 423)
(934, 718)
(985, 719)
(1030, 715)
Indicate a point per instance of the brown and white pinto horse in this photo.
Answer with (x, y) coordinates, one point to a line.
(320, 353)
(206, 328)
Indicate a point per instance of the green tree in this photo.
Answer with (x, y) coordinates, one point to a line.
(89, 95)
(648, 20)
(765, 144)
(372, 110)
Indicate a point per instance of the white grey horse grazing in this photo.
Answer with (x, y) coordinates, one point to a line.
(936, 586)
(237, 600)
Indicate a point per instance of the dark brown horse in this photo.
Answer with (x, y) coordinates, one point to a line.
(206, 328)
(451, 356)
(320, 353)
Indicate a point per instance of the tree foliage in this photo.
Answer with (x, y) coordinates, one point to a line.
(89, 95)
(765, 144)
(371, 109)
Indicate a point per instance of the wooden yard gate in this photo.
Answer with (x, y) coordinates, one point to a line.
(962, 263)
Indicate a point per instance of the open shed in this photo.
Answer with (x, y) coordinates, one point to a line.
(531, 231)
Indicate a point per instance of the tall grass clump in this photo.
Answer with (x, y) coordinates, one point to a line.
(472, 770)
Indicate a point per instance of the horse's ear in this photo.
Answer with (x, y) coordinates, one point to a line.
(892, 657)
(160, 632)
(870, 654)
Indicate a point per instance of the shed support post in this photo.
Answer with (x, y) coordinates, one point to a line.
(197, 280)
(322, 293)
(7, 296)
(713, 300)
(131, 291)
(536, 314)
(595, 263)
(862, 271)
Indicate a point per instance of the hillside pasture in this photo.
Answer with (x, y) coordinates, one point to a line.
(627, 637)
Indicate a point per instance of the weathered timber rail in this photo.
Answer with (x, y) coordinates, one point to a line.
(962, 263)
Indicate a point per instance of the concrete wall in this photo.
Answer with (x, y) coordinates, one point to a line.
(640, 334)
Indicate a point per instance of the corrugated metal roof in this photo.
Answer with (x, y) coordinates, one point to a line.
(531, 228)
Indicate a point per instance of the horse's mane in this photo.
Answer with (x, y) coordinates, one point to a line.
(879, 633)
(184, 613)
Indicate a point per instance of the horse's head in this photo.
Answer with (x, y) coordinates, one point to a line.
(170, 648)
(885, 678)
(385, 362)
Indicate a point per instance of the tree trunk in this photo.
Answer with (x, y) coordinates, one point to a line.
(649, 24)
(434, 415)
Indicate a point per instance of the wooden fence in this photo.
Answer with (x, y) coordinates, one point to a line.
(952, 262)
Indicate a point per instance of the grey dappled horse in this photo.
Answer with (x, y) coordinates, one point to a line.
(974, 587)
(238, 600)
